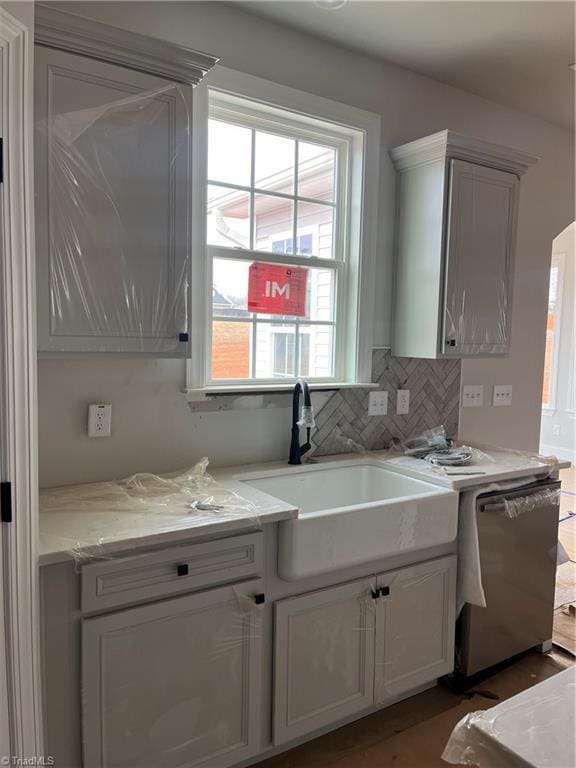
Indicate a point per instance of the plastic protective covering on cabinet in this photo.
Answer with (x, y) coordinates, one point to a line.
(118, 216)
(174, 683)
(534, 729)
(142, 505)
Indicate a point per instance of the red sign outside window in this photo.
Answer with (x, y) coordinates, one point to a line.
(274, 289)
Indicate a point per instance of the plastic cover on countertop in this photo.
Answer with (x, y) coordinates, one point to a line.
(534, 729)
(116, 212)
(139, 506)
(434, 453)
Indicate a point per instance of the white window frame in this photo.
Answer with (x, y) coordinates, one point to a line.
(362, 132)
(556, 261)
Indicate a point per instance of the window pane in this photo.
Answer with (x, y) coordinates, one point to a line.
(275, 351)
(231, 357)
(316, 171)
(229, 153)
(274, 163)
(273, 224)
(314, 234)
(317, 351)
(230, 288)
(228, 217)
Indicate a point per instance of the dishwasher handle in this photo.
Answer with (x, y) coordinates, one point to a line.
(518, 505)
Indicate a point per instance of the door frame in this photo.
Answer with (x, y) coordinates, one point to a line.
(18, 416)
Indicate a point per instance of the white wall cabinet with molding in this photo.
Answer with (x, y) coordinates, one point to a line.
(456, 222)
(113, 116)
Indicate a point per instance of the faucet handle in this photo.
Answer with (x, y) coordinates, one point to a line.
(307, 417)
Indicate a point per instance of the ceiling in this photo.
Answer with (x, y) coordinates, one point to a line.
(516, 53)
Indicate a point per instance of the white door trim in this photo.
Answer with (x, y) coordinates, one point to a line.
(18, 447)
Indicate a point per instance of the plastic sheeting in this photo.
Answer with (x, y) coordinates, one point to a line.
(534, 729)
(519, 506)
(118, 213)
(144, 504)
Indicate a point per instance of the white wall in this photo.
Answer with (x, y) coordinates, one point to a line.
(153, 429)
(563, 417)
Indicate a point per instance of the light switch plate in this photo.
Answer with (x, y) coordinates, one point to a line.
(378, 403)
(403, 401)
(502, 394)
(100, 420)
(472, 395)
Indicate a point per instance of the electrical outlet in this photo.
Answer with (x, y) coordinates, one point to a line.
(502, 394)
(99, 420)
(472, 395)
(403, 401)
(378, 403)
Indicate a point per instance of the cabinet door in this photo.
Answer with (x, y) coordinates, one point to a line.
(482, 216)
(112, 183)
(324, 661)
(174, 683)
(415, 627)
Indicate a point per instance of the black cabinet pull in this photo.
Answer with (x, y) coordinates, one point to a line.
(384, 591)
(182, 337)
(182, 569)
(450, 342)
(260, 599)
(375, 594)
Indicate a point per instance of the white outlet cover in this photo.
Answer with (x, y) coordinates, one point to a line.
(472, 395)
(378, 403)
(502, 394)
(100, 420)
(403, 401)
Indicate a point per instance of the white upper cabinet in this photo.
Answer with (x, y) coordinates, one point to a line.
(113, 205)
(455, 243)
(113, 114)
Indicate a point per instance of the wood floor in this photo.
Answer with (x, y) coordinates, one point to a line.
(413, 733)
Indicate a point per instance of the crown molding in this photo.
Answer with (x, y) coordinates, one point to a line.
(77, 34)
(448, 144)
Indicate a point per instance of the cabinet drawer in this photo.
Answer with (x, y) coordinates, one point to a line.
(171, 571)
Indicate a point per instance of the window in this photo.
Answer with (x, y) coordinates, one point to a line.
(552, 333)
(289, 252)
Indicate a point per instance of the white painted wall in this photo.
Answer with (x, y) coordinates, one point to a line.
(564, 415)
(152, 427)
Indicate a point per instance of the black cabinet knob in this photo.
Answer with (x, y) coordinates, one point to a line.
(182, 569)
(260, 599)
(375, 594)
(182, 337)
(384, 591)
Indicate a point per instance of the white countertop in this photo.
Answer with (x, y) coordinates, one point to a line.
(534, 728)
(94, 521)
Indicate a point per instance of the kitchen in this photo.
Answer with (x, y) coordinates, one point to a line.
(243, 260)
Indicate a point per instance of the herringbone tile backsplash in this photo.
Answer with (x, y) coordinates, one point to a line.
(343, 423)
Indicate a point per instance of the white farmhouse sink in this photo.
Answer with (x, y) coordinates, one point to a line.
(352, 512)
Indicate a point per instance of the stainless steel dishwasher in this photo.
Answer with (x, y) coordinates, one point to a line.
(518, 538)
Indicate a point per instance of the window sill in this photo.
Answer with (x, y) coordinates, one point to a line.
(206, 393)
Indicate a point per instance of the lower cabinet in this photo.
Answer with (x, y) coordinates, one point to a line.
(174, 683)
(342, 649)
(415, 622)
(324, 658)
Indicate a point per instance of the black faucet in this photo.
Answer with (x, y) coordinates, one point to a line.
(297, 450)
